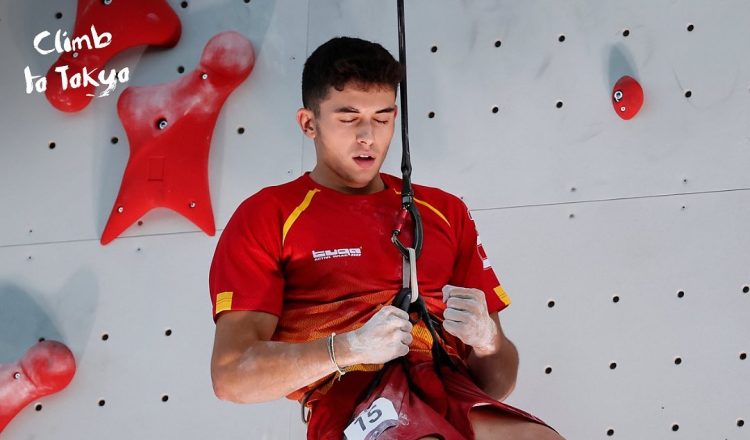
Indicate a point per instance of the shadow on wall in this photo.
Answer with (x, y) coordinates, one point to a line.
(620, 64)
(65, 316)
(22, 322)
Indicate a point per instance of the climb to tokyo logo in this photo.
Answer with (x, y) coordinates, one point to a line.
(63, 44)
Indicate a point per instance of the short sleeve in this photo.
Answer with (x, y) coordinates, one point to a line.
(472, 267)
(246, 270)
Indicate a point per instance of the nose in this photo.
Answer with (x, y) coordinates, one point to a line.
(365, 134)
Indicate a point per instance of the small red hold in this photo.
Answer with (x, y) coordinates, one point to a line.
(627, 97)
(46, 368)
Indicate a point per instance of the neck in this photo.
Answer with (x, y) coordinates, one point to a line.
(321, 178)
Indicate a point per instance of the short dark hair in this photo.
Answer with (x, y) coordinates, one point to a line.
(342, 60)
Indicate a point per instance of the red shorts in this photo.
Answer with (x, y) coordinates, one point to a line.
(430, 407)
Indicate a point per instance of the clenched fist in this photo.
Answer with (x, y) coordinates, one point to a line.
(466, 317)
(386, 336)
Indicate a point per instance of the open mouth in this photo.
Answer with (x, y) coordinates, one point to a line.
(364, 159)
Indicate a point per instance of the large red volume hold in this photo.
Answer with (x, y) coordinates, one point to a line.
(131, 23)
(45, 369)
(169, 128)
(627, 97)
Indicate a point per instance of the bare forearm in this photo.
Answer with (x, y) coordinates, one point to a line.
(255, 370)
(495, 369)
(269, 370)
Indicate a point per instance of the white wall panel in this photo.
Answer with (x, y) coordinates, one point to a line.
(69, 190)
(613, 236)
(531, 152)
(643, 252)
(133, 291)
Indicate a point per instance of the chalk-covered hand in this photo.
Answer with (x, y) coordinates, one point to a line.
(385, 336)
(466, 317)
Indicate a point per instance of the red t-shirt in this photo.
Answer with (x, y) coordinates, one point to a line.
(322, 261)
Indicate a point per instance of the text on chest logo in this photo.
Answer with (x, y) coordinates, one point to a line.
(336, 253)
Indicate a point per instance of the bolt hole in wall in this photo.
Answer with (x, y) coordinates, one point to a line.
(105, 337)
(180, 69)
(114, 140)
(102, 402)
(52, 145)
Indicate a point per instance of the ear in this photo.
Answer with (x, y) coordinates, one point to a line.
(306, 122)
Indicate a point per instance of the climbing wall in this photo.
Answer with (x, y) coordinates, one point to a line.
(622, 244)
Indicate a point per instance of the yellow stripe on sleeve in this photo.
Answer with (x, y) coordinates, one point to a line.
(223, 302)
(500, 292)
(297, 212)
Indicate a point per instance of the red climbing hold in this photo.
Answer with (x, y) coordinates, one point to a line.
(169, 128)
(129, 23)
(627, 97)
(45, 369)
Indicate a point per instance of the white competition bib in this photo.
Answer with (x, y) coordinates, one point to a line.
(380, 412)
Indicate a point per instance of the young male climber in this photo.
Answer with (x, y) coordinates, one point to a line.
(304, 275)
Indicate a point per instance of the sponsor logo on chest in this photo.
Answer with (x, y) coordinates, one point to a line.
(336, 253)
